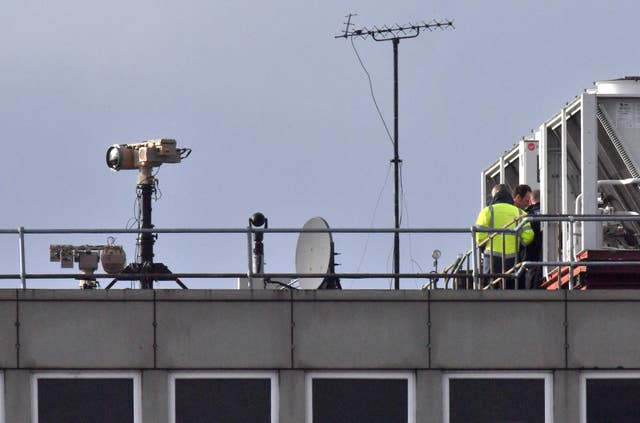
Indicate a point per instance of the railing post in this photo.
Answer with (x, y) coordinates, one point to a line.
(571, 238)
(474, 248)
(23, 276)
(571, 283)
(249, 256)
(571, 250)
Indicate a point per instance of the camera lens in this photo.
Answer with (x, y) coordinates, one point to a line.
(113, 157)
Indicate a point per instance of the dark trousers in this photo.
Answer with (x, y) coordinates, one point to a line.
(495, 260)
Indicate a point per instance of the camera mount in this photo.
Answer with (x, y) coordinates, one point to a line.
(144, 156)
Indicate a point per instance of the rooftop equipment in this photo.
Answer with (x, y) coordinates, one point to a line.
(112, 256)
(144, 156)
(315, 256)
(587, 163)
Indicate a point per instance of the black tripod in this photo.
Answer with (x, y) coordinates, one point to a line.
(146, 270)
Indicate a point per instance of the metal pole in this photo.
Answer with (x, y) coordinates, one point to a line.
(394, 34)
(250, 257)
(23, 278)
(396, 164)
(145, 239)
(474, 249)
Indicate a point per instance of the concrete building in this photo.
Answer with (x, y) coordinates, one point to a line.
(319, 356)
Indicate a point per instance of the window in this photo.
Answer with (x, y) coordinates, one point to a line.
(609, 396)
(223, 396)
(98, 397)
(498, 397)
(352, 397)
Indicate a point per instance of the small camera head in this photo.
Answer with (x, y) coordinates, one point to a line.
(257, 219)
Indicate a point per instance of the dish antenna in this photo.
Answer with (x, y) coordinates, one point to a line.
(314, 255)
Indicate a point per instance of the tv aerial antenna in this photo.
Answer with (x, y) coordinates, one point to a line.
(394, 33)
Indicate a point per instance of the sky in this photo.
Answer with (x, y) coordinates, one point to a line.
(280, 119)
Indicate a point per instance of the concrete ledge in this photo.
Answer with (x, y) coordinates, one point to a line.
(360, 335)
(86, 334)
(497, 335)
(218, 335)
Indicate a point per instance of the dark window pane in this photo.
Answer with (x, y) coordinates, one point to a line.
(360, 400)
(223, 400)
(496, 400)
(613, 400)
(85, 400)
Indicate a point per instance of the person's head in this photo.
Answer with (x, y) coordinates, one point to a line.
(535, 196)
(500, 194)
(498, 188)
(522, 196)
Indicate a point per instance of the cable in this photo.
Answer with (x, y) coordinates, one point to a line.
(375, 211)
(135, 220)
(157, 193)
(386, 128)
(405, 208)
(389, 267)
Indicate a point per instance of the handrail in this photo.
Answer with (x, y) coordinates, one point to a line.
(465, 268)
(513, 273)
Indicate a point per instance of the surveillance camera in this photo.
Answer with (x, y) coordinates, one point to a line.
(257, 219)
(146, 154)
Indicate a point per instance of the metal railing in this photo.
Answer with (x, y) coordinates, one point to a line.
(464, 273)
(248, 232)
(521, 266)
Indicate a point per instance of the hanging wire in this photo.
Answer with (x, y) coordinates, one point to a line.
(157, 193)
(375, 103)
(390, 268)
(405, 207)
(137, 211)
(373, 218)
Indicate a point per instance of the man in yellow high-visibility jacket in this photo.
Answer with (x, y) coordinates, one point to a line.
(501, 213)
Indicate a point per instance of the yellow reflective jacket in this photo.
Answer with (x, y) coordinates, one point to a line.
(502, 215)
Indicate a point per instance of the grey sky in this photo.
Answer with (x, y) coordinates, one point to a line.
(279, 116)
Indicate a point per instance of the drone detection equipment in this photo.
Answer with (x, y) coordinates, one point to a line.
(314, 255)
(151, 153)
(144, 156)
(112, 256)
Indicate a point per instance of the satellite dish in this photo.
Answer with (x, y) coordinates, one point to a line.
(314, 254)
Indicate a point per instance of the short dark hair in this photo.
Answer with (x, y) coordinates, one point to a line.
(521, 190)
(499, 188)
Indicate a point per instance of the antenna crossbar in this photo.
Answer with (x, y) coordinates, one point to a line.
(386, 33)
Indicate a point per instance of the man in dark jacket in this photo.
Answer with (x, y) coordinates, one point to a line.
(533, 251)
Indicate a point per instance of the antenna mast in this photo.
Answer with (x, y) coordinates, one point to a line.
(394, 34)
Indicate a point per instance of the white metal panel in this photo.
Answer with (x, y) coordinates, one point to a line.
(543, 146)
(528, 150)
(591, 238)
(624, 116)
(483, 189)
(618, 88)
(564, 175)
